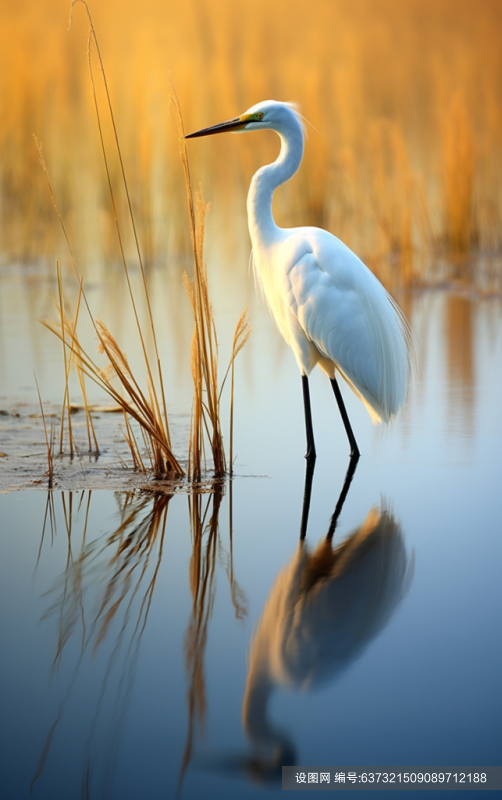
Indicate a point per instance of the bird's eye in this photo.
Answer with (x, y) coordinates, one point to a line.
(259, 115)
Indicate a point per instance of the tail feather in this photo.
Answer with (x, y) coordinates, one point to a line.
(394, 350)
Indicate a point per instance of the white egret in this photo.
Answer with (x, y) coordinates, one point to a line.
(327, 304)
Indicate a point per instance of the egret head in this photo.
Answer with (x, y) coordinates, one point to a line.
(267, 115)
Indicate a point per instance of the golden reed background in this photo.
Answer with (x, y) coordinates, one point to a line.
(406, 94)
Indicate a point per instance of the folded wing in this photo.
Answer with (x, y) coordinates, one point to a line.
(354, 323)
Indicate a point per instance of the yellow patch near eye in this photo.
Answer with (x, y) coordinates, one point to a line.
(252, 117)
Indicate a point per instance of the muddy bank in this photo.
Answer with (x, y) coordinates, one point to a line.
(23, 452)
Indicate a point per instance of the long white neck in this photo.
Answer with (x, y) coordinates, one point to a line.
(262, 227)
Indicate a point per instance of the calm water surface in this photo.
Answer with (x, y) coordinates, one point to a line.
(154, 645)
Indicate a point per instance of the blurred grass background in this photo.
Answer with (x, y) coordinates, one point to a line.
(406, 97)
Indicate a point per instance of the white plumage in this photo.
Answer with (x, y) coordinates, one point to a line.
(332, 311)
(327, 304)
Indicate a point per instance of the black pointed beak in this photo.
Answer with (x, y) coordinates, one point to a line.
(230, 125)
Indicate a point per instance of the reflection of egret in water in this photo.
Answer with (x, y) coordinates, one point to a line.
(323, 610)
(116, 575)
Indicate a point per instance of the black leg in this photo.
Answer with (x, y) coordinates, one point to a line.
(354, 450)
(310, 455)
(343, 494)
(309, 475)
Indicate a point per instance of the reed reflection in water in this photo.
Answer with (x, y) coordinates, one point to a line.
(324, 608)
(207, 546)
(105, 592)
(102, 600)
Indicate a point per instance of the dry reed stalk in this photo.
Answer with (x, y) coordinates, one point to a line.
(241, 335)
(67, 364)
(49, 442)
(152, 419)
(204, 349)
(204, 357)
(135, 403)
(91, 432)
(161, 418)
(204, 365)
(133, 445)
(137, 406)
(196, 443)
